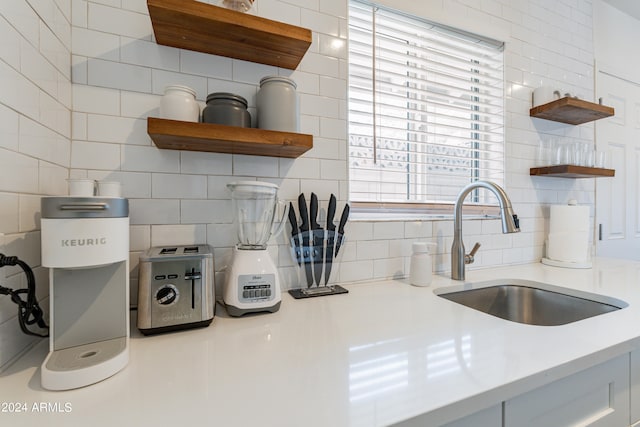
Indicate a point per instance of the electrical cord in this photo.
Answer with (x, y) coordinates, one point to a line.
(29, 312)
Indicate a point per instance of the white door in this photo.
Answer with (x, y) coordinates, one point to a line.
(617, 200)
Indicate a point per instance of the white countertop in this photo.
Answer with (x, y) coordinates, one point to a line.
(383, 353)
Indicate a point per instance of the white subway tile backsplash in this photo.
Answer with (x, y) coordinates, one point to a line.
(119, 21)
(85, 97)
(9, 128)
(205, 212)
(203, 64)
(10, 52)
(250, 72)
(9, 213)
(120, 130)
(41, 142)
(96, 44)
(118, 76)
(18, 92)
(95, 155)
(303, 168)
(149, 54)
(79, 69)
(154, 211)
(221, 235)
(178, 186)
(29, 213)
(195, 162)
(164, 235)
(280, 11)
(139, 237)
(23, 18)
(139, 105)
(372, 249)
(257, 166)
(56, 50)
(318, 22)
(52, 179)
(149, 159)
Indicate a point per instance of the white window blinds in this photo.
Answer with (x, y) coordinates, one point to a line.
(426, 109)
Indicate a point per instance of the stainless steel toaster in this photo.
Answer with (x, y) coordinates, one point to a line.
(176, 288)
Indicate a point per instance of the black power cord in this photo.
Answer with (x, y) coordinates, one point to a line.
(29, 312)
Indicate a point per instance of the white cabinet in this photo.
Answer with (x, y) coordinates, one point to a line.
(598, 396)
(490, 417)
(634, 387)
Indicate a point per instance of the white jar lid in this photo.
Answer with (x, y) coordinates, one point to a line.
(180, 87)
(278, 79)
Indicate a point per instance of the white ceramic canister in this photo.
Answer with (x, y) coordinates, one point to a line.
(421, 267)
(179, 103)
(277, 104)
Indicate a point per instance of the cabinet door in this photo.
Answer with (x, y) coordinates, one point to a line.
(487, 418)
(490, 417)
(634, 387)
(598, 396)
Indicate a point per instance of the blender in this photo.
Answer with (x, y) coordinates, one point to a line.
(252, 283)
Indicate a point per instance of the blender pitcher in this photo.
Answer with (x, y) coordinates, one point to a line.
(255, 205)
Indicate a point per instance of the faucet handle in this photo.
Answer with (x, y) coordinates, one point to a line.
(468, 259)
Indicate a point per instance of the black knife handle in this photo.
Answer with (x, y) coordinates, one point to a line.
(331, 212)
(304, 215)
(343, 218)
(313, 212)
(292, 220)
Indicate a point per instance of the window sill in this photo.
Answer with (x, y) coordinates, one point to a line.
(408, 212)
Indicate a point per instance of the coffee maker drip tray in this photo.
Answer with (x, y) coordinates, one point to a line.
(66, 369)
(86, 355)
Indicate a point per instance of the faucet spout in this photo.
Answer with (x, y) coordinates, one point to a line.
(510, 224)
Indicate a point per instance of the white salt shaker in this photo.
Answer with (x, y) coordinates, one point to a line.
(420, 270)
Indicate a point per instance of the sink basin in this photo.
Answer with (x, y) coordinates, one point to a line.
(529, 302)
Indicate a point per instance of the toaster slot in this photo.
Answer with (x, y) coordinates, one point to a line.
(168, 251)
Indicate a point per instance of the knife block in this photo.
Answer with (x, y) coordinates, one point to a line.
(317, 263)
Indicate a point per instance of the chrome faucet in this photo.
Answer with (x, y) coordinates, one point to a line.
(510, 224)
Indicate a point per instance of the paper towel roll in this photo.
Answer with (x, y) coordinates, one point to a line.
(568, 218)
(568, 246)
(568, 233)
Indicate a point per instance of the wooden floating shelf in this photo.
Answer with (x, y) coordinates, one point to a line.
(193, 25)
(572, 111)
(190, 136)
(571, 171)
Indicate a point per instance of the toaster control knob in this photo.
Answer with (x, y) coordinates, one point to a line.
(167, 295)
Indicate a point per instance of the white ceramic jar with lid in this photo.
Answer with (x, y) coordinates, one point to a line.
(277, 103)
(179, 103)
(421, 267)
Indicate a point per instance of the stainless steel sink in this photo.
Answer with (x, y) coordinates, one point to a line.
(532, 303)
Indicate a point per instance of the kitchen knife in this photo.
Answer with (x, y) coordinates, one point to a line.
(318, 239)
(343, 221)
(294, 233)
(331, 234)
(304, 236)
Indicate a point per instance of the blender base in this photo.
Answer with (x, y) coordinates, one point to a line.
(237, 312)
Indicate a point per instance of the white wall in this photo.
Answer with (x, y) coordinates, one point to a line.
(118, 76)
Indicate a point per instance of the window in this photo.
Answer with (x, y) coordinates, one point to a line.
(426, 110)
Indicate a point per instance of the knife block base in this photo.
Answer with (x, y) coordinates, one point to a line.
(319, 291)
